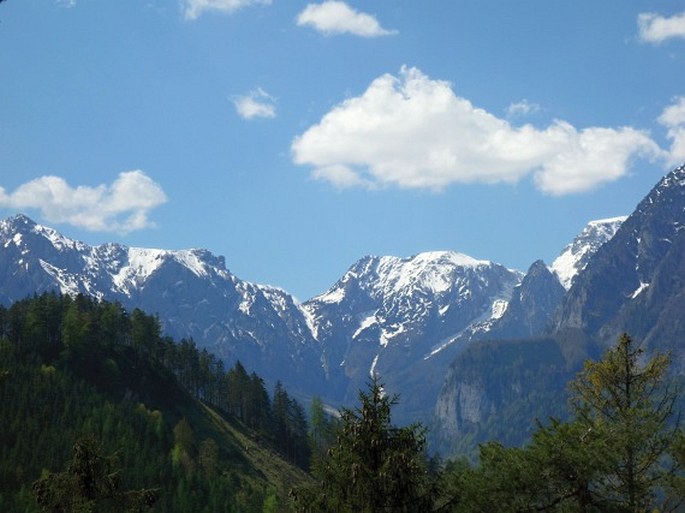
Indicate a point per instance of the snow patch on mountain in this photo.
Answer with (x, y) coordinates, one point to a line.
(425, 271)
(140, 265)
(390, 332)
(499, 306)
(366, 322)
(372, 370)
(68, 284)
(639, 290)
(333, 296)
(575, 257)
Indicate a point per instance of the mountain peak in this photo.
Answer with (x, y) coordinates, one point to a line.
(21, 229)
(18, 223)
(675, 178)
(446, 257)
(22, 219)
(575, 257)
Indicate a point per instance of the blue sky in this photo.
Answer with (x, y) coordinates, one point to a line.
(296, 137)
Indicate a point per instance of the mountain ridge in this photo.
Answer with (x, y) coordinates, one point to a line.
(401, 318)
(634, 283)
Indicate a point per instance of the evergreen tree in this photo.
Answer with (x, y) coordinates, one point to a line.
(374, 467)
(90, 484)
(621, 453)
(75, 368)
(629, 404)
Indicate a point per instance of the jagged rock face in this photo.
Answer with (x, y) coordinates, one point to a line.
(634, 282)
(390, 315)
(623, 269)
(576, 256)
(531, 307)
(191, 291)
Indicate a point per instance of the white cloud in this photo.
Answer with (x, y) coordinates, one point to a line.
(656, 29)
(673, 118)
(66, 3)
(341, 176)
(121, 207)
(588, 158)
(413, 132)
(334, 17)
(194, 8)
(255, 104)
(522, 108)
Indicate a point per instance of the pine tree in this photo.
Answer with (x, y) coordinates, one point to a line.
(621, 453)
(90, 484)
(374, 467)
(629, 403)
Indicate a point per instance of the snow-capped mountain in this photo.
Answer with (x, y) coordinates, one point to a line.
(191, 291)
(575, 257)
(394, 296)
(397, 317)
(387, 315)
(404, 319)
(634, 283)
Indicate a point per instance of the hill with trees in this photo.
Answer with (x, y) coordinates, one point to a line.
(621, 451)
(201, 437)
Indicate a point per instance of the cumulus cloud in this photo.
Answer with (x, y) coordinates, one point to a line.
(194, 8)
(411, 131)
(654, 28)
(673, 118)
(334, 17)
(255, 104)
(121, 207)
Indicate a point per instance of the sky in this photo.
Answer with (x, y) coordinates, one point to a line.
(296, 137)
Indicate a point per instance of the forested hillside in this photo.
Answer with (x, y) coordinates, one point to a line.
(101, 414)
(201, 437)
(621, 451)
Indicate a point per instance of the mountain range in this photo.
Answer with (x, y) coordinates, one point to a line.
(634, 282)
(463, 341)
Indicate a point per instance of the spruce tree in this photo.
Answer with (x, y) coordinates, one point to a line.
(374, 467)
(90, 484)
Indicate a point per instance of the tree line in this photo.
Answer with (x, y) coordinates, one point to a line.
(75, 366)
(78, 329)
(622, 451)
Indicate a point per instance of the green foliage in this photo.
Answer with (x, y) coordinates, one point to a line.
(90, 484)
(290, 427)
(622, 451)
(374, 467)
(322, 430)
(628, 404)
(76, 367)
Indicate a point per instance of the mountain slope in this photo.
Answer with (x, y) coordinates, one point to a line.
(532, 305)
(575, 257)
(634, 282)
(622, 271)
(191, 291)
(398, 318)
(76, 367)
